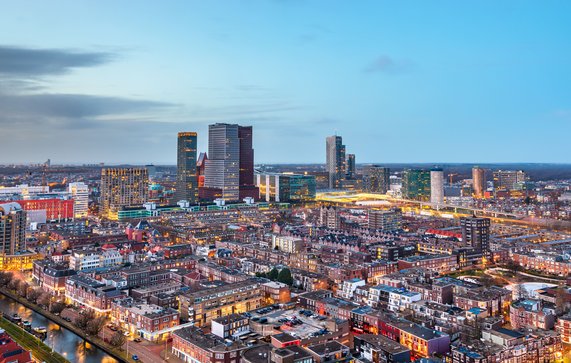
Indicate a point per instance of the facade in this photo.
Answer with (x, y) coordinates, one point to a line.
(186, 176)
(191, 345)
(329, 217)
(122, 187)
(85, 260)
(436, 186)
(230, 326)
(57, 209)
(476, 232)
(282, 187)
(385, 220)
(287, 244)
(335, 161)
(247, 187)
(380, 349)
(351, 167)
(12, 229)
(51, 277)
(91, 294)
(416, 185)
(80, 193)
(148, 321)
(478, 182)
(532, 314)
(201, 307)
(225, 163)
(376, 179)
(506, 180)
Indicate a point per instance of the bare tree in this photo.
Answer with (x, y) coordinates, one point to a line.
(94, 326)
(57, 307)
(22, 288)
(44, 299)
(33, 294)
(118, 339)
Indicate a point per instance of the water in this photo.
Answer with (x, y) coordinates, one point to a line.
(63, 341)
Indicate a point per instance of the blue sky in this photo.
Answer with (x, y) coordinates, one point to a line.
(418, 81)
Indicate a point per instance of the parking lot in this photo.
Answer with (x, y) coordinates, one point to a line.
(309, 326)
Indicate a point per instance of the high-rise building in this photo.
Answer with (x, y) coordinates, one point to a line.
(476, 232)
(229, 168)
(12, 229)
(201, 169)
(335, 162)
(506, 180)
(436, 186)
(351, 168)
(122, 187)
(186, 178)
(478, 182)
(80, 193)
(376, 179)
(286, 187)
(416, 185)
(247, 187)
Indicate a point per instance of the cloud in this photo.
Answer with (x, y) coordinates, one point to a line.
(71, 106)
(34, 62)
(389, 65)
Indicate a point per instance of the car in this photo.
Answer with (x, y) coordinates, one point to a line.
(135, 357)
(137, 340)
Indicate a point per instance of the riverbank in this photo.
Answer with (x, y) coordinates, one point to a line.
(119, 355)
(32, 344)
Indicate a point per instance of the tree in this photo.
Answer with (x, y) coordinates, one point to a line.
(13, 284)
(83, 319)
(5, 278)
(44, 299)
(57, 307)
(117, 340)
(273, 274)
(33, 294)
(22, 288)
(285, 276)
(513, 266)
(94, 326)
(260, 274)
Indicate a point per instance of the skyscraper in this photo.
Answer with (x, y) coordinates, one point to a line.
(416, 184)
(476, 232)
(351, 168)
(437, 186)
(478, 182)
(186, 178)
(122, 187)
(12, 229)
(376, 179)
(229, 168)
(247, 185)
(335, 160)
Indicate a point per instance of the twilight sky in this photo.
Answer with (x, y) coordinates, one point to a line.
(415, 81)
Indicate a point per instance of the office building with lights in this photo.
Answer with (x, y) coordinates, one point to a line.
(122, 187)
(376, 179)
(282, 187)
(186, 176)
(416, 185)
(506, 180)
(335, 162)
(476, 232)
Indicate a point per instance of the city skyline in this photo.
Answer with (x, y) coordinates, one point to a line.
(118, 90)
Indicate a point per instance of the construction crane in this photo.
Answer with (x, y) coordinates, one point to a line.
(451, 176)
(44, 172)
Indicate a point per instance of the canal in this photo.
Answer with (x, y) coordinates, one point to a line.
(63, 341)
